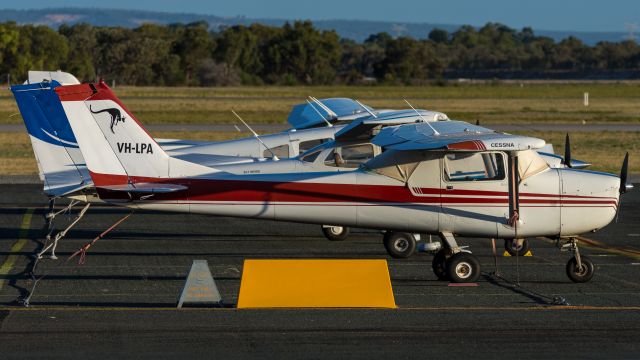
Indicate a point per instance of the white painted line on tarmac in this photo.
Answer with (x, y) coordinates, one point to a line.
(6, 267)
(634, 235)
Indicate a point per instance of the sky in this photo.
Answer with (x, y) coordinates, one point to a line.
(566, 15)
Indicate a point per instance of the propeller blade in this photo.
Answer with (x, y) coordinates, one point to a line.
(567, 152)
(624, 187)
(623, 174)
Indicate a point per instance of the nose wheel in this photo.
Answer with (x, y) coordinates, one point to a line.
(580, 269)
(580, 273)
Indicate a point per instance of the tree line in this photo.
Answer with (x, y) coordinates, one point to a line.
(298, 53)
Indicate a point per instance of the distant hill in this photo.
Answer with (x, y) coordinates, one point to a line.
(357, 30)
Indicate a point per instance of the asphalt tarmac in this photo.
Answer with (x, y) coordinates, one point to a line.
(121, 301)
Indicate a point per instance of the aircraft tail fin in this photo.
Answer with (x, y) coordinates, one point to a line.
(116, 147)
(59, 159)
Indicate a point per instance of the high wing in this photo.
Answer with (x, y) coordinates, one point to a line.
(311, 114)
(452, 136)
(366, 127)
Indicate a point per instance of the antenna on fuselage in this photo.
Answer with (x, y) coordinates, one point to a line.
(366, 109)
(255, 134)
(435, 132)
(319, 113)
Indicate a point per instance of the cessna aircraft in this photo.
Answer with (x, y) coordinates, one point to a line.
(65, 175)
(61, 165)
(444, 177)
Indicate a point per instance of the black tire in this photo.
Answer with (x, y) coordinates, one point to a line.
(439, 264)
(399, 245)
(513, 250)
(336, 233)
(580, 275)
(463, 268)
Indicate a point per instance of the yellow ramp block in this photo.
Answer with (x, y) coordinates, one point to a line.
(315, 283)
(528, 253)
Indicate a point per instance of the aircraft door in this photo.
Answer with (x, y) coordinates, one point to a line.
(424, 185)
(474, 193)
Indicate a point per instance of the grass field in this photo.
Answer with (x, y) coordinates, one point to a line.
(503, 103)
(605, 150)
(490, 103)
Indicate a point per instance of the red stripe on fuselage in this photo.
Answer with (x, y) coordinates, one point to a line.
(305, 192)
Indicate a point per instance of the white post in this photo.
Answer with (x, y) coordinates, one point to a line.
(586, 99)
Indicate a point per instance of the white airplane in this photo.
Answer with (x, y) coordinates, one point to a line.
(65, 175)
(448, 178)
(63, 170)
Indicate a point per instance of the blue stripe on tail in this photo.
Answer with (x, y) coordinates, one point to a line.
(43, 114)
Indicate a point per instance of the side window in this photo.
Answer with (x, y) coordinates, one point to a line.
(350, 156)
(281, 151)
(356, 155)
(474, 166)
(311, 157)
(306, 145)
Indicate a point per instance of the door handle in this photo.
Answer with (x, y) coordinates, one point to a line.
(449, 187)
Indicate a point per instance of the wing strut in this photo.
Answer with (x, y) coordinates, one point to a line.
(435, 132)
(319, 114)
(255, 134)
(514, 202)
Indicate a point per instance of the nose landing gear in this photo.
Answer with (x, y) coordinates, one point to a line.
(580, 269)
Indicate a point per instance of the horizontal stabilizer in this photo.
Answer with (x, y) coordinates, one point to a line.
(145, 188)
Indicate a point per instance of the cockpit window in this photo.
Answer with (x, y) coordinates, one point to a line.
(311, 157)
(474, 167)
(281, 151)
(306, 145)
(351, 156)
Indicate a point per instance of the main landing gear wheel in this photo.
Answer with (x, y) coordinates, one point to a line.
(517, 248)
(580, 274)
(335, 233)
(439, 264)
(399, 245)
(463, 268)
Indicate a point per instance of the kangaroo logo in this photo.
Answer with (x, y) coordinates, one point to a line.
(116, 116)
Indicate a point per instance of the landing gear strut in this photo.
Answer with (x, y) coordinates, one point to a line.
(580, 269)
(455, 264)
